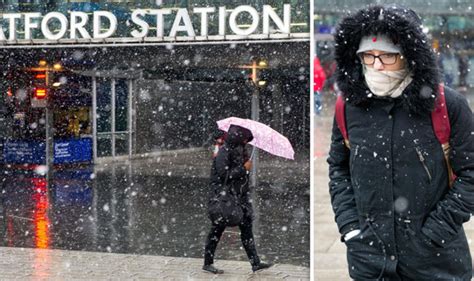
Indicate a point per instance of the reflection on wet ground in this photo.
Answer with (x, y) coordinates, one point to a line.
(121, 210)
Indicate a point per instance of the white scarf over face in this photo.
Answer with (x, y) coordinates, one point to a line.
(387, 83)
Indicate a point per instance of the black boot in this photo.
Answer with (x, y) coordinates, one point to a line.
(210, 268)
(261, 266)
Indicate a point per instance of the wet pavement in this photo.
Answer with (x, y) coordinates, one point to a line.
(329, 253)
(153, 206)
(43, 264)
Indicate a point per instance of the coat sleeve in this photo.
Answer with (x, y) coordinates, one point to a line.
(444, 223)
(340, 187)
(226, 164)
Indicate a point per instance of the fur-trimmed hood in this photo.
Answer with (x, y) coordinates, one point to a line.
(404, 27)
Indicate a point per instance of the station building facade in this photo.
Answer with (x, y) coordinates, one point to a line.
(106, 81)
(128, 79)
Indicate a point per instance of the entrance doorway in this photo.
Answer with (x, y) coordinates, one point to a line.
(112, 114)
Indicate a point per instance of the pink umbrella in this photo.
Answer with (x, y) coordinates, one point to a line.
(264, 137)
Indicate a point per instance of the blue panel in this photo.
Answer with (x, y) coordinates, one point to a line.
(325, 29)
(73, 151)
(24, 152)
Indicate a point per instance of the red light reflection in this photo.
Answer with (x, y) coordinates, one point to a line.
(40, 215)
(42, 260)
(10, 232)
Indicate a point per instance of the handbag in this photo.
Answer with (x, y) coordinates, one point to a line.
(224, 208)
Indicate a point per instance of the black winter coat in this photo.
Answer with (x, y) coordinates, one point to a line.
(393, 182)
(228, 168)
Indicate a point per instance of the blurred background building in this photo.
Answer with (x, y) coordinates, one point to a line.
(449, 24)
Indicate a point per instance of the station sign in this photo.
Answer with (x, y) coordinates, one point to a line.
(194, 24)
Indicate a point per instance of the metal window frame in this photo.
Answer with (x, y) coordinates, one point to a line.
(112, 115)
(129, 118)
(113, 132)
(94, 117)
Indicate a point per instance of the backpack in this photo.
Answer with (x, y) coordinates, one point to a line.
(439, 119)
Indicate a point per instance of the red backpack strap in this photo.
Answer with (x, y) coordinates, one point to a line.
(341, 119)
(442, 129)
(440, 118)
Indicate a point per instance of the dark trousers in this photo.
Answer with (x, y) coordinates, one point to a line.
(246, 235)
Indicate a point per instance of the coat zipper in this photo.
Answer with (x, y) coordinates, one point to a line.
(356, 151)
(422, 160)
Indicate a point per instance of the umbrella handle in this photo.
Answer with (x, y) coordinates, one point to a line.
(253, 152)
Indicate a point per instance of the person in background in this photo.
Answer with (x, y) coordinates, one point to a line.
(463, 67)
(319, 79)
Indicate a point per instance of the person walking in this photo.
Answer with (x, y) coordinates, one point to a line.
(231, 167)
(389, 179)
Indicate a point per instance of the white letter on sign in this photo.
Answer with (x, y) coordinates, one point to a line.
(188, 26)
(143, 24)
(98, 15)
(12, 28)
(222, 17)
(2, 35)
(204, 12)
(159, 20)
(283, 25)
(78, 20)
(233, 20)
(29, 25)
(45, 27)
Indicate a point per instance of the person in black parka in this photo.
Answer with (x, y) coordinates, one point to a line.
(390, 193)
(233, 163)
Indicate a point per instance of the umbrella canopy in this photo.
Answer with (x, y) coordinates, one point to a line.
(264, 137)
